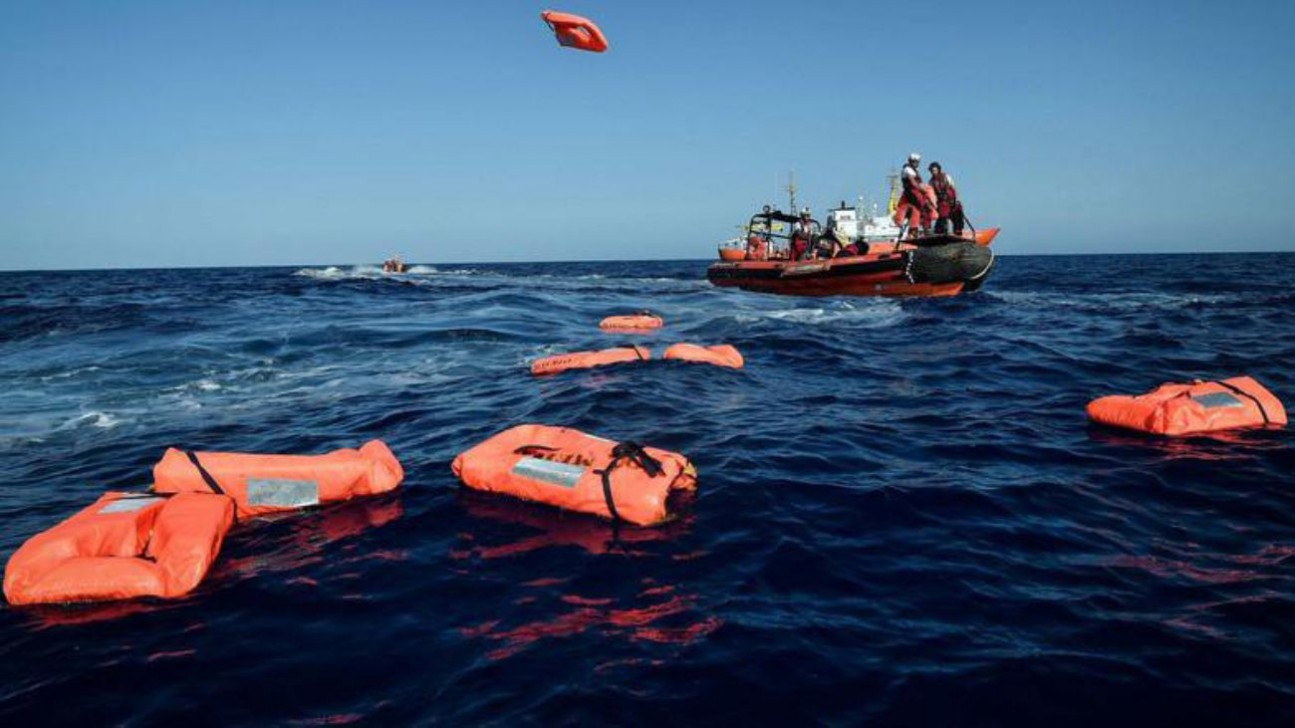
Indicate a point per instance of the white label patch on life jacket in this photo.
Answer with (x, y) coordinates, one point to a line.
(1217, 400)
(282, 493)
(130, 505)
(547, 471)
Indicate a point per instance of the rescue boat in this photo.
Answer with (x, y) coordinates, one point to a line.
(933, 265)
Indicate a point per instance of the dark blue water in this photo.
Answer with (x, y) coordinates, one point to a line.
(903, 518)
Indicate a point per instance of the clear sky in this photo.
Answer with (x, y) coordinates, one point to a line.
(138, 133)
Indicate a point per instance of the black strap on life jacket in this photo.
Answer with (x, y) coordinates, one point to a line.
(210, 480)
(1262, 412)
(633, 452)
(206, 476)
(530, 448)
(638, 351)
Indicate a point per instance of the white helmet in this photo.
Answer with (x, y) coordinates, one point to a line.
(914, 157)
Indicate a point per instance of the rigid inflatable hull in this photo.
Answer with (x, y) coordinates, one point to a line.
(880, 274)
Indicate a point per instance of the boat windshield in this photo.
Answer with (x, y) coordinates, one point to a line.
(775, 229)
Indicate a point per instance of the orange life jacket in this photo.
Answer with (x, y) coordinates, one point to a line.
(569, 469)
(1185, 409)
(589, 359)
(721, 355)
(633, 322)
(122, 546)
(574, 31)
(269, 483)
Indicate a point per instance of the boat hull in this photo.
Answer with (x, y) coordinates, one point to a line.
(938, 271)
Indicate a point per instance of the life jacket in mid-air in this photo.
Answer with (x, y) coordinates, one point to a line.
(269, 483)
(122, 546)
(1187, 409)
(589, 359)
(563, 467)
(573, 31)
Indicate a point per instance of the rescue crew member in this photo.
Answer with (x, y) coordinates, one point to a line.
(948, 207)
(802, 233)
(912, 180)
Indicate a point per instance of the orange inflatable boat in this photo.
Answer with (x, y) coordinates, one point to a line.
(269, 483)
(576, 32)
(721, 355)
(637, 322)
(124, 545)
(1187, 409)
(569, 469)
(589, 359)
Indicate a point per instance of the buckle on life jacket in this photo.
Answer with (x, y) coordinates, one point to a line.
(633, 453)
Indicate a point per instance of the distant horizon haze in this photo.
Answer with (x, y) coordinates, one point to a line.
(152, 134)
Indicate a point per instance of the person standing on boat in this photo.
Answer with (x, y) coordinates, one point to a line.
(802, 233)
(948, 207)
(914, 205)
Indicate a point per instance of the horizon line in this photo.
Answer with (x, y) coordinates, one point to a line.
(601, 260)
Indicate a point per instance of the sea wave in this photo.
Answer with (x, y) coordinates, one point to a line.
(900, 498)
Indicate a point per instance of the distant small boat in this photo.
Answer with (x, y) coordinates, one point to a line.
(394, 265)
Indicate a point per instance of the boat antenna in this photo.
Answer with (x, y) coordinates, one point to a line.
(893, 200)
(791, 191)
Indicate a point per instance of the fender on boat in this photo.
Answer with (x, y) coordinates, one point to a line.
(721, 355)
(124, 545)
(569, 469)
(636, 322)
(270, 483)
(1186, 409)
(589, 359)
(573, 31)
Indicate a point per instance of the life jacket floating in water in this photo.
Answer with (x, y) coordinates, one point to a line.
(636, 322)
(576, 32)
(721, 355)
(268, 483)
(569, 469)
(1186, 409)
(124, 545)
(589, 359)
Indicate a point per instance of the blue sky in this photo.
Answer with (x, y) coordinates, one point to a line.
(248, 133)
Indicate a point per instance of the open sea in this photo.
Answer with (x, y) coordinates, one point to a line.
(903, 516)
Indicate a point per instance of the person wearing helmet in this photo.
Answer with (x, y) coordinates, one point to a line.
(802, 233)
(948, 207)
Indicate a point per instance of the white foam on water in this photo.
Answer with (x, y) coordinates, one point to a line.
(1120, 300)
(873, 314)
(70, 373)
(101, 420)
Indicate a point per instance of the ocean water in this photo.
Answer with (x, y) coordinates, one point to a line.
(903, 516)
